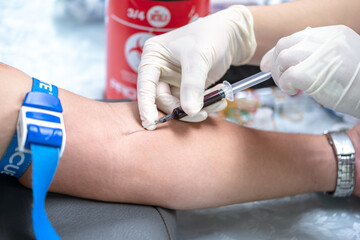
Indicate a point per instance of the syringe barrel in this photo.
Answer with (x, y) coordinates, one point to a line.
(213, 97)
(209, 99)
(227, 91)
(250, 81)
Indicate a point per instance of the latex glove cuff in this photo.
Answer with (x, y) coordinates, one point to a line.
(245, 41)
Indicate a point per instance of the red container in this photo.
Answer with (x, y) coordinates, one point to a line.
(129, 23)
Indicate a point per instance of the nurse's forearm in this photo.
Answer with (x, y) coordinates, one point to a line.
(276, 21)
(179, 165)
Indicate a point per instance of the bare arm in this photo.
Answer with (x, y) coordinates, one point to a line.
(276, 21)
(180, 165)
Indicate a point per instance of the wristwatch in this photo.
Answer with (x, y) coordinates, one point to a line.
(345, 155)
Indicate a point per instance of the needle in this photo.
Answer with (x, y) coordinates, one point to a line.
(138, 130)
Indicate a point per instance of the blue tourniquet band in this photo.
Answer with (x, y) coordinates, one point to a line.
(45, 161)
(41, 132)
(14, 163)
(39, 86)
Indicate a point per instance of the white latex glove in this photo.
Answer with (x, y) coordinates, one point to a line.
(324, 62)
(177, 66)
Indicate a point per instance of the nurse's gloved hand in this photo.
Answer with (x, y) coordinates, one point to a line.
(324, 62)
(177, 66)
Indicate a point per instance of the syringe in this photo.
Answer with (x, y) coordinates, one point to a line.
(228, 92)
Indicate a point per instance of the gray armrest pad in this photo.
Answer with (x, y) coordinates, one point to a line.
(75, 218)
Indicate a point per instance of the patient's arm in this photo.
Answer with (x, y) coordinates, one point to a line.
(179, 165)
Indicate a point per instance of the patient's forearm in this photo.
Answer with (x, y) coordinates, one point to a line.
(183, 165)
(179, 165)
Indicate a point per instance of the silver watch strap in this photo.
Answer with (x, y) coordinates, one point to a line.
(345, 156)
